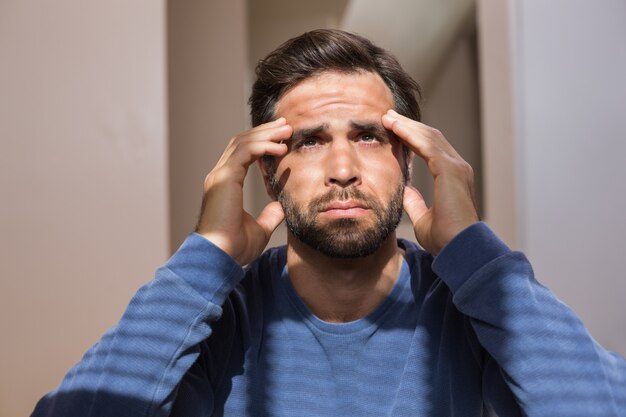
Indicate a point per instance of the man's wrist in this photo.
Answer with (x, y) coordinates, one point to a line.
(466, 253)
(198, 260)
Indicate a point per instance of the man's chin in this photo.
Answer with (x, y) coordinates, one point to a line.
(343, 238)
(347, 249)
(349, 224)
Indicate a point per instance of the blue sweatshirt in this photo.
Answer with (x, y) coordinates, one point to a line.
(468, 333)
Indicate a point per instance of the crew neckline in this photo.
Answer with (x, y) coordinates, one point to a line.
(373, 319)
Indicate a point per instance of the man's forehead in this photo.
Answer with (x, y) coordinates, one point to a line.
(336, 90)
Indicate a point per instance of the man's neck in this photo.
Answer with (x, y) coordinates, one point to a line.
(343, 290)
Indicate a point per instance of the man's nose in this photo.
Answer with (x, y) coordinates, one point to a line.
(342, 164)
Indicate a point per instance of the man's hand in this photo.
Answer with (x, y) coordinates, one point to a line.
(453, 204)
(223, 220)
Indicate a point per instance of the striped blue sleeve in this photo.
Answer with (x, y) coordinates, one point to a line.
(134, 370)
(543, 351)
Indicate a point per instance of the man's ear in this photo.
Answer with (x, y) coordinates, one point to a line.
(265, 172)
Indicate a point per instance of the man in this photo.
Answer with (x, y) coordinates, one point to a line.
(345, 319)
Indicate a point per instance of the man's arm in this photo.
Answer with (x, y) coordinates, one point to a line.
(538, 345)
(137, 367)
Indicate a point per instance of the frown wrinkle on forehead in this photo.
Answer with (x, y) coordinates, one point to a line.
(335, 92)
(374, 127)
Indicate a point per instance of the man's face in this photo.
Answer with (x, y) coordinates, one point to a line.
(341, 184)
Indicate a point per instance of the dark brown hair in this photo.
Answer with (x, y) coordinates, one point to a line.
(327, 50)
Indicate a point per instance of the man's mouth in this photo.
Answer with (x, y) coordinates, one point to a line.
(344, 208)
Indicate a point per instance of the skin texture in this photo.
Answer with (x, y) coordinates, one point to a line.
(335, 133)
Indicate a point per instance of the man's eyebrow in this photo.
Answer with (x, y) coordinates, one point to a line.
(376, 128)
(308, 132)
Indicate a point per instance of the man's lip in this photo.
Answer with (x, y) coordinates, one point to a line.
(344, 205)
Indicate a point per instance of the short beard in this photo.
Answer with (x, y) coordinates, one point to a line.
(345, 237)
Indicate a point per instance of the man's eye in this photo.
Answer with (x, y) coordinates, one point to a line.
(368, 137)
(309, 142)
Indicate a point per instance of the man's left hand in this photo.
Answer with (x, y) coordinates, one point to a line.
(453, 201)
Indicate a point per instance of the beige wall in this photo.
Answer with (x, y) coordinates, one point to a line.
(571, 147)
(553, 89)
(207, 61)
(496, 100)
(83, 177)
(451, 104)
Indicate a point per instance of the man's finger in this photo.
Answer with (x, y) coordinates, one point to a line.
(414, 204)
(269, 125)
(248, 147)
(278, 133)
(271, 216)
(422, 139)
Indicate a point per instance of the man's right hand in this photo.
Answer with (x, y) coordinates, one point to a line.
(223, 220)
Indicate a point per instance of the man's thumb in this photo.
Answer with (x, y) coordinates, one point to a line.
(414, 204)
(271, 216)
